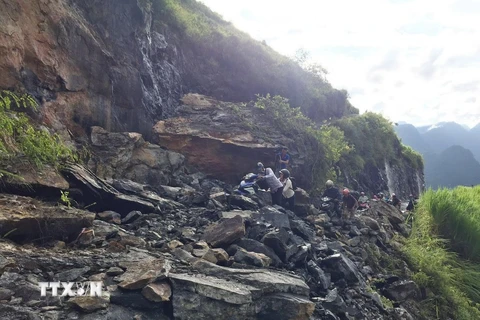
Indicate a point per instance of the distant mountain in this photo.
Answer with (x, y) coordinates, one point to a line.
(411, 137)
(444, 135)
(451, 153)
(452, 167)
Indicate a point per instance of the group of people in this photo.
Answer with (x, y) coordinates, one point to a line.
(283, 193)
(281, 188)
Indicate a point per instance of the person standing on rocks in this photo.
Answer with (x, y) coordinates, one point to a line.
(395, 201)
(350, 204)
(275, 186)
(288, 193)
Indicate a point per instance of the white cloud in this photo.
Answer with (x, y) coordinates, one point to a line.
(416, 61)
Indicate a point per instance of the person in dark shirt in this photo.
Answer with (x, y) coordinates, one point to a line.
(411, 203)
(395, 201)
(334, 194)
(284, 158)
(350, 204)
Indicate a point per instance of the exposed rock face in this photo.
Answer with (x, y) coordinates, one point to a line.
(126, 155)
(96, 62)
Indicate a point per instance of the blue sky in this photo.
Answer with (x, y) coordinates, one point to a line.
(414, 61)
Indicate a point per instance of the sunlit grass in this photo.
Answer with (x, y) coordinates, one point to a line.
(446, 226)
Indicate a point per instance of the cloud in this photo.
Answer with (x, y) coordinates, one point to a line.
(417, 61)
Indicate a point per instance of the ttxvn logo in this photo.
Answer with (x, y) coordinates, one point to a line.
(71, 289)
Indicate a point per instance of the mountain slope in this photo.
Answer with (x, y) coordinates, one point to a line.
(454, 166)
(411, 137)
(445, 135)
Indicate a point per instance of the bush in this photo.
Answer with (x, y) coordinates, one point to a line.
(20, 138)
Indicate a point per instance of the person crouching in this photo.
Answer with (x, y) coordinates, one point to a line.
(275, 186)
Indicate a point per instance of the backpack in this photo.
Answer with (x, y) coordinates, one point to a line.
(294, 183)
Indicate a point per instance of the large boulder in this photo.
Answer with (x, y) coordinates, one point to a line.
(23, 218)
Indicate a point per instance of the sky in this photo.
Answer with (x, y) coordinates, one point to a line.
(415, 61)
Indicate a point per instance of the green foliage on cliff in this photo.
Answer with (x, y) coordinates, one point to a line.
(231, 66)
(374, 140)
(444, 249)
(19, 137)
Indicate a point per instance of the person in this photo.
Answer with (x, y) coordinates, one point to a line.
(350, 204)
(275, 186)
(284, 158)
(288, 193)
(363, 198)
(411, 203)
(332, 193)
(395, 201)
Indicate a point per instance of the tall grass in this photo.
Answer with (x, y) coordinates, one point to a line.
(448, 220)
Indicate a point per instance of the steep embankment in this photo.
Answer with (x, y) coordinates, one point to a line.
(124, 64)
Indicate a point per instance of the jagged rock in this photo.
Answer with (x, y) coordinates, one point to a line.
(5, 263)
(302, 196)
(401, 314)
(128, 240)
(114, 271)
(252, 258)
(272, 216)
(284, 306)
(17, 313)
(256, 246)
(131, 217)
(6, 294)
(225, 293)
(278, 241)
(110, 216)
(27, 219)
(299, 227)
(371, 223)
(72, 274)
(340, 267)
(139, 275)
(334, 302)
(402, 290)
(89, 304)
(127, 155)
(133, 299)
(242, 213)
(174, 244)
(225, 232)
(221, 255)
(210, 256)
(157, 292)
(243, 202)
(320, 276)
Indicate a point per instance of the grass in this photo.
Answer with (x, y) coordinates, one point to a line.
(445, 234)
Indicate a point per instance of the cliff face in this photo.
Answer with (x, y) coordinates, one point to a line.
(90, 63)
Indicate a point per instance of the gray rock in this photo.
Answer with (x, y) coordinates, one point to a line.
(131, 217)
(322, 278)
(340, 267)
(72, 274)
(243, 202)
(402, 290)
(272, 216)
(6, 294)
(225, 232)
(257, 246)
(334, 302)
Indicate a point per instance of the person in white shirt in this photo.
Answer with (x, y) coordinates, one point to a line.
(288, 193)
(275, 186)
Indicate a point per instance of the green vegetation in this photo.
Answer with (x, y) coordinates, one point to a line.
(374, 140)
(328, 141)
(19, 138)
(65, 198)
(444, 251)
(229, 65)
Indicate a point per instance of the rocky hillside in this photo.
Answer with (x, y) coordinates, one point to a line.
(195, 252)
